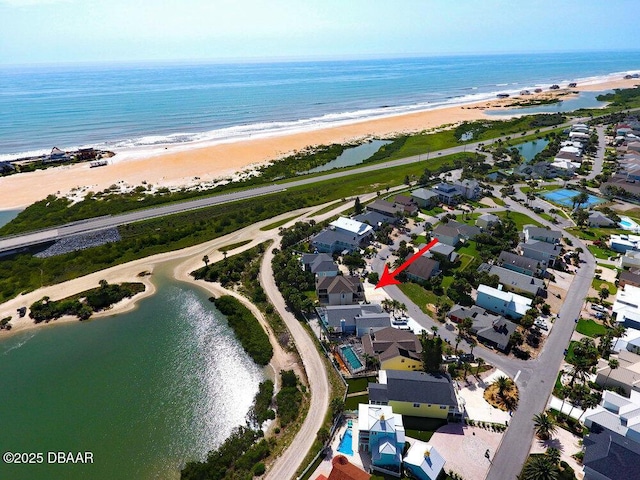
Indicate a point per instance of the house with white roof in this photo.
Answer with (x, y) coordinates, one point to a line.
(626, 307)
(423, 461)
(508, 304)
(624, 242)
(351, 226)
(381, 433)
(531, 232)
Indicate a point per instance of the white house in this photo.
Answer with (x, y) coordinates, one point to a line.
(423, 461)
(501, 302)
(631, 259)
(350, 226)
(623, 243)
(627, 306)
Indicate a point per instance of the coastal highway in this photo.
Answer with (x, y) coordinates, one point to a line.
(17, 242)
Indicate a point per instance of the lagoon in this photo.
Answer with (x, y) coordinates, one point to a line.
(352, 156)
(144, 391)
(7, 215)
(583, 100)
(530, 149)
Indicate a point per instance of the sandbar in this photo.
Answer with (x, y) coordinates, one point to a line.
(175, 166)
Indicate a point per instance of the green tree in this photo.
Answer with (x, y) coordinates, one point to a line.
(358, 206)
(613, 365)
(544, 426)
(604, 293)
(579, 199)
(479, 362)
(205, 259)
(539, 468)
(431, 353)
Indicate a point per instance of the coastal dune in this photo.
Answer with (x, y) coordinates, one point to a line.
(177, 166)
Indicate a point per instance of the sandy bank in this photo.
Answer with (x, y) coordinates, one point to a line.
(179, 167)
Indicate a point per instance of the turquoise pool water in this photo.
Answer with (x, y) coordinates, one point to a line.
(346, 443)
(628, 224)
(350, 356)
(564, 196)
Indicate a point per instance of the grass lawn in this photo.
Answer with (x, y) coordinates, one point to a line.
(597, 284)
(359, 384)
(421, 428)
(277, 224)
(570, 358)
(465, 260)
(351, 403)
(420, 239)
(469, 219)
(498, 201)
(594, 233)
(469, 249)
(231, 246)
(600, 252)
(419, 295)
(328, 208)
(590, 328)
(446, 282)
(432, 211)
(520, 219)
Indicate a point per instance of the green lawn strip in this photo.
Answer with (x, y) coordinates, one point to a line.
(598, 283)
(351, 403)
(420, 239)
(433, 211)
(569, 357)
(470, 248)
(520, 219)
(421, 428)
(418, 295)
(465, 261)
(359, 384)
(231, 246)
(277, 224)
(447, 280)
(328, 208)
(600, 253)
(468, 218)
(590, 328)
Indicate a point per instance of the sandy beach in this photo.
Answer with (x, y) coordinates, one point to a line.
(180, 167)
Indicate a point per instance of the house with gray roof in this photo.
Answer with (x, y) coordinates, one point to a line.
(422, 269)
(492, 330)
(339, 290)
(514, 281)
(532, 232)
(353, 319)
(521, 264)
(417, 394)
(447, 251)
(485, 220)
(468, 188)
(629, 278)
(424, 198)
(332, 241)
(598, 219)
(447, 194)
(395, 349)
(386, 208)
(447, 235)
(320, 264)
(612, 447)
(626, 376)
(544, 252)
(376, 219)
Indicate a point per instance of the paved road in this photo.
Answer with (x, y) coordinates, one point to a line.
(287, 464)
(95, 224)
(536, 382)
(599, 157)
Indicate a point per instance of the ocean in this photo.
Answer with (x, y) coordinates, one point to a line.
(143, 106)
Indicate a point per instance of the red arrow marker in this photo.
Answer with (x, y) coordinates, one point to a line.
(389, 278)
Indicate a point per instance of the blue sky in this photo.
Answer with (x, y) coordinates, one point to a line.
(51, 31)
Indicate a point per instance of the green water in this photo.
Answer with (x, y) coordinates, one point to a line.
(7, 215)
(144, 391)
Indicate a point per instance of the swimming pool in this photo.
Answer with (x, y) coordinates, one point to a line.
(627, 224)
(346, 443)
(351, 358)
(564, 196)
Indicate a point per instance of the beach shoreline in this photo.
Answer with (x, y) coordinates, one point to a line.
(180, 165)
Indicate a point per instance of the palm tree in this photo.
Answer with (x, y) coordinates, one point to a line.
(434, 329)
(480, 362)
(205, 259)
(466, 366)
(472, 343)
(458, 340)
(563, 392)
(590, 401)
(613, 364)
(553, 454)
(503, 383)
(539, 468)
(544, 426)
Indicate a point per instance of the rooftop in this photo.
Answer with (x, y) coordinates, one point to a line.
(415, 387)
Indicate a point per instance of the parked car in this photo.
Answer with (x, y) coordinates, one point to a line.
(467, 357)
(449, 358)
(597, 308)
(541, 324)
